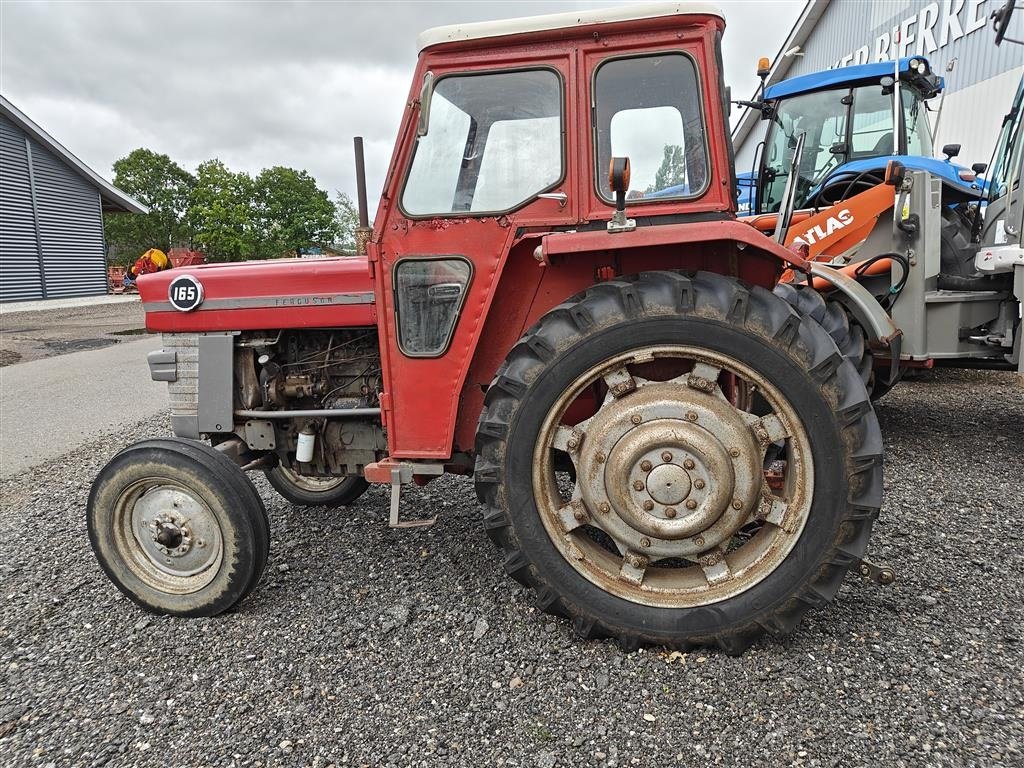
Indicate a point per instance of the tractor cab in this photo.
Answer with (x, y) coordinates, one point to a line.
(851, 129)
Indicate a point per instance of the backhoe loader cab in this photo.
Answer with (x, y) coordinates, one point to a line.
(556, 299)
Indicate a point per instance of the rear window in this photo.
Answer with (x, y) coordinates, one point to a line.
(648, 109)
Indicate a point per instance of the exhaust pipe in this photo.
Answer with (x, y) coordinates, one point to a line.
(363, 231)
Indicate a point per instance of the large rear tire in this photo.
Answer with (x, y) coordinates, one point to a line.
(673, 534)
(178, 527)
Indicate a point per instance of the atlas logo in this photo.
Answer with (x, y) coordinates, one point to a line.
(832, 225)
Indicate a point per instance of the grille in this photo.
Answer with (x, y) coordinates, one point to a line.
(184, 392)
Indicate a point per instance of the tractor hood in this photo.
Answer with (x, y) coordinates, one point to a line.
(957, 188)
(260, 295)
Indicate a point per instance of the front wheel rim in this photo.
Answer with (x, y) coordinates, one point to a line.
(670, 503)
(168, 536)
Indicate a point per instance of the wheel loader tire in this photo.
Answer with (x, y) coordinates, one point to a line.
(658, 319)
(178, 527)
(832, 316)
(314, 492)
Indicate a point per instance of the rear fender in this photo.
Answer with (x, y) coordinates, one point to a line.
(882, 333)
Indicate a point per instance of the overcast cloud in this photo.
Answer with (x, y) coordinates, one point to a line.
(258, 84)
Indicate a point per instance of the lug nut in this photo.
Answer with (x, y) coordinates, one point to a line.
(735, 452)
(698, 483)
(670, 513)
(645, 542)
(648, 505)
(691, 504)
(580, 515)
(666, 457)
(699, 541)
(600, 458)
(638, 485)
(689, 464)
(737, 504)
(635, 418)
(572, 443)
(645, 465)
(691, 416)
(604, 507)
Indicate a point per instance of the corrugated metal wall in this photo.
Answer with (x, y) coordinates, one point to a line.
(20, 276)
(50, 246)
(847, 26)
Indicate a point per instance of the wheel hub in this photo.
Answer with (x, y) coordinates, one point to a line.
(677, 469)
(668, 484)
(175, 531)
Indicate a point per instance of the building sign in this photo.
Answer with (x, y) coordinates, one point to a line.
(931, 29)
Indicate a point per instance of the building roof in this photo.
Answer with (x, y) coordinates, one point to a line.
(781, 64)
(479, 30)
(114, 200)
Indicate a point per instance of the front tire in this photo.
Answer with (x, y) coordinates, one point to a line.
(178, 527)
(717, 554)
(316, 491)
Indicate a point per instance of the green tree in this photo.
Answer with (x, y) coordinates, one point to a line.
(161, 185)
(291, 213)
(672, 171)
(347, 217)
(221, 212)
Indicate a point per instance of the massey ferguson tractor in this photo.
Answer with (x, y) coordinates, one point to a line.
(667, 452)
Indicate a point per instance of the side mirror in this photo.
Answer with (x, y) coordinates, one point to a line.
(951, 151)
(618, 180)
(979, 168)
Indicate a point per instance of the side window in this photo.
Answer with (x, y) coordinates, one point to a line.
(428, 298)
(493, 141)
(871, 135)
(648, 109)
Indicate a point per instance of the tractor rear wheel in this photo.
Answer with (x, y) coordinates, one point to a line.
(316, 491)
(178, 527)
(727, 462)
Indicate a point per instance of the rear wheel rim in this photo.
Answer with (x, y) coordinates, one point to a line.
(167, 536)
(670, 503)
(310, 484)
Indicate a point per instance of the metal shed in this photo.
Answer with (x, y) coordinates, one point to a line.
(51, 215)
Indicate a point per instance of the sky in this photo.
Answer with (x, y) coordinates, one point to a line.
(258, 84)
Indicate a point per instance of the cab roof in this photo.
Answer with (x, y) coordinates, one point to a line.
(524, 25)
(858, 74)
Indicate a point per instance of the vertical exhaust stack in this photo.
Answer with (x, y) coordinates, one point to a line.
(363, 231)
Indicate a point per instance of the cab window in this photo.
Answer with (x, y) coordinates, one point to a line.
(648, 109)
(493, 142)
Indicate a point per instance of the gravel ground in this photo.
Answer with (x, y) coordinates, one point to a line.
(36, 334)
(366, 646)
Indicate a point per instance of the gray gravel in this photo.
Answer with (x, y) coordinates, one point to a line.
(366, 646)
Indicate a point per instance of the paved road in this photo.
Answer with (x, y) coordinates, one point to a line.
(50, 406)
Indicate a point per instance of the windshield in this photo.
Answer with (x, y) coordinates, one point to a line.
(830, 142)
(1009, 148)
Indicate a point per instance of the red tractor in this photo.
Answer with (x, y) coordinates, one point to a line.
(667, 451)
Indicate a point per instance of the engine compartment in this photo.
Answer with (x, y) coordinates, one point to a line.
(329, 370)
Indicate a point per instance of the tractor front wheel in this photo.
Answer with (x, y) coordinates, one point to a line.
(178, 527)
(726, 462)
